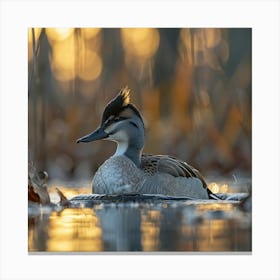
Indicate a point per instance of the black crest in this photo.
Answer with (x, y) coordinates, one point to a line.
(115, 106)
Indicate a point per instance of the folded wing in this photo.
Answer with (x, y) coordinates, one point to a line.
(152, 164)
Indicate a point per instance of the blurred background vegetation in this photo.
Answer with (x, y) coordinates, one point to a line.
(193, 87)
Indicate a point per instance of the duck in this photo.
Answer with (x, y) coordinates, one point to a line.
(129, 170)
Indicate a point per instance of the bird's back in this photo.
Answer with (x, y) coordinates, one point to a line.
(172, 176)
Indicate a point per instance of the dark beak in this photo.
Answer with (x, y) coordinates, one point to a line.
(98, 134)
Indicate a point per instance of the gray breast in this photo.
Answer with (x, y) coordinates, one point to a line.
(117, 175)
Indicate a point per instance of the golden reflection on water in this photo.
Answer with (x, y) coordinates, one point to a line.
(212, 236)
(74, 230)
(189, 226)
(219, 232)
(215, 206)
(123, 228)
(150, 230)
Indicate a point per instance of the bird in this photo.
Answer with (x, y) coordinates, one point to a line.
(129, 170)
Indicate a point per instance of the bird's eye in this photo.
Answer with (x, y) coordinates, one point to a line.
(117, 119)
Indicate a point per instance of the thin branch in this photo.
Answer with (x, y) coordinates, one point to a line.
(35, 51)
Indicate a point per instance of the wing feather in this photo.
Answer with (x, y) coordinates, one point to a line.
(152, 164)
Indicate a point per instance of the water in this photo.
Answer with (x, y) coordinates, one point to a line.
(160, 226)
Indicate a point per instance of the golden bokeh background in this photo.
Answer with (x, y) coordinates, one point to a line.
(192, 85)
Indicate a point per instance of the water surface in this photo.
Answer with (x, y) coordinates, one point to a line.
(160, 226)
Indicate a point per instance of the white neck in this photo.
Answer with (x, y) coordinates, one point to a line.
(125, 147)
(121, 149)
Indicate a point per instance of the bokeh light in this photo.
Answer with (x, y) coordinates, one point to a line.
(140, 42)
(91, 66)
(59, 34)
(198, 46)
(89, 33)
(63, 59)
